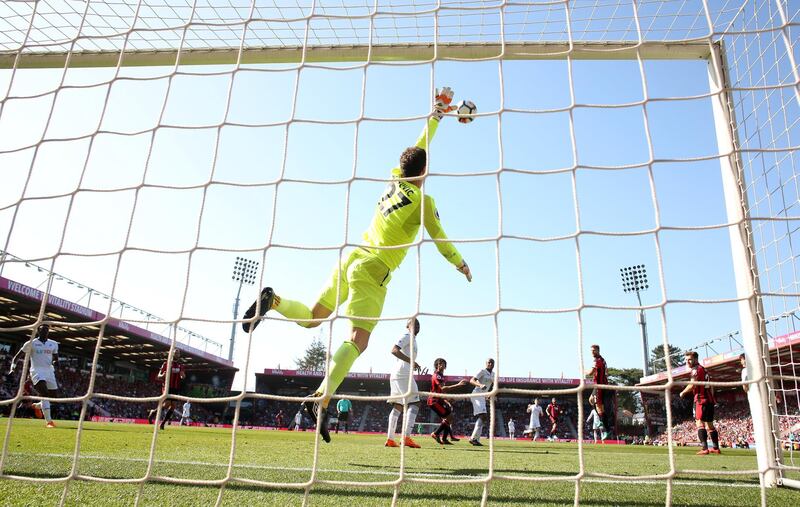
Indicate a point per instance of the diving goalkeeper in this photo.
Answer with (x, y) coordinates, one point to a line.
(365, 274)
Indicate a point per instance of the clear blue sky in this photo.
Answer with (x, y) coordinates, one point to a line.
(215, 205)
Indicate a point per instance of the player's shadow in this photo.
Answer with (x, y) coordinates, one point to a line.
(511, 451)
(473, 472)
(88, 428)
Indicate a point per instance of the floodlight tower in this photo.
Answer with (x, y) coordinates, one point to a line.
(634, 279)
(244, 272)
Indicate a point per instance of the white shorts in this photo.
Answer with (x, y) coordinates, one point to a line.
(398, 387)
(535, 424)
(48, 376)
(478, 405)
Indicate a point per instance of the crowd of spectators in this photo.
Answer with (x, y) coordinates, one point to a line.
(732, 418)
(265, 411)
(75, 383)
(735, 426)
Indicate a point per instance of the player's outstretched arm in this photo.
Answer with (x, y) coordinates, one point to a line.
(442, 100)
(14, 363)
(17, 357)
(434, 228)
(454, 386)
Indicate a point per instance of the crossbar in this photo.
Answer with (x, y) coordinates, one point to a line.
(32, 58)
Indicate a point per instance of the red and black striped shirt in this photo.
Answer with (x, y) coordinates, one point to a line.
(437, 380)
(600, 370)
(702, 394)
(175, 377)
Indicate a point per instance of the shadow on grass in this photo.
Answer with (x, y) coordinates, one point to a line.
(360, 495)
(536, 451)
(363, 496)
(458, 471)
(94, 428)
(467, 473)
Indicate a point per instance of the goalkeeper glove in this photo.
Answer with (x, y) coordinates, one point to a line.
(464, 270)
(13, 367)
(442, 101)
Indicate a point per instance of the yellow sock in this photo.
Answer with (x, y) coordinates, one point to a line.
(292, 310)
(341, 362)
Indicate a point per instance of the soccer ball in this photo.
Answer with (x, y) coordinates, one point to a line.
(466, 110)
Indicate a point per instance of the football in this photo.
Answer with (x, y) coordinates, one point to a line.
(466, 110)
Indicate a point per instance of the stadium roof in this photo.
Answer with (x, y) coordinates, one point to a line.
(20, 305)
(725, 367)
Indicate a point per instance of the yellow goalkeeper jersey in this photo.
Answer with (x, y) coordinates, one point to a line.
(399, 214)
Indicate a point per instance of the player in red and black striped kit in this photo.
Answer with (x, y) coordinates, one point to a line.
(703, 405)
(553, 412)
(604, 399)
(441, 406)
(176, 386)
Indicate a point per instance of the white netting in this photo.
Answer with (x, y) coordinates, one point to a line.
(766, 100)
(755, 39)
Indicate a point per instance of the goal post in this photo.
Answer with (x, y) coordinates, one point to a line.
(751, 311)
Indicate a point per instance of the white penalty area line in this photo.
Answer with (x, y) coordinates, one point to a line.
(599, 480)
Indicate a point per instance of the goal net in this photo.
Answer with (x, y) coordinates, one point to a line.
(145, 144)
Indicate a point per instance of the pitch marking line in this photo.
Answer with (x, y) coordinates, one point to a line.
(678, 482)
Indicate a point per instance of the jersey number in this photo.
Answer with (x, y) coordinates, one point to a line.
(389, 202)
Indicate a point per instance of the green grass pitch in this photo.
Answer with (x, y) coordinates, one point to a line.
(121, 451)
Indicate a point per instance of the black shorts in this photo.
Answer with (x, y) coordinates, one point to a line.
(180, 391)
(605, 397)
(442, 408)
(704, 412)
(344, 416)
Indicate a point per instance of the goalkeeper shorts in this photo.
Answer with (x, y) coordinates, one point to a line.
(362, 284)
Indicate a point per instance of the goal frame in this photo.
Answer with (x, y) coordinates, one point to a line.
(751, 311)
(374, 53)
(745, 267)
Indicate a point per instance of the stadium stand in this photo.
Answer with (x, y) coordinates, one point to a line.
(129, 359)
(732, 415)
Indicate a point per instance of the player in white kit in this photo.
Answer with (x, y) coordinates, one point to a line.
(535, 424)
(44, 355)
(483, 382)
(512, 429)
(186, 413)
(399, 384)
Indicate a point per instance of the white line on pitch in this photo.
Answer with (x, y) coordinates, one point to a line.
(677, 482)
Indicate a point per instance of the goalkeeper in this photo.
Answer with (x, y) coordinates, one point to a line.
(362, 278)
